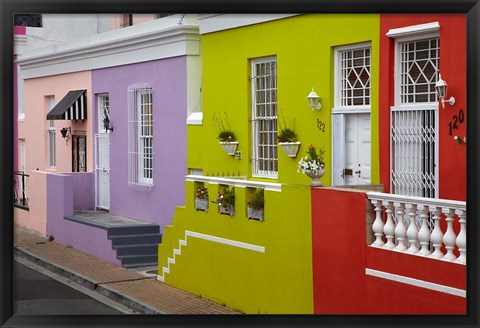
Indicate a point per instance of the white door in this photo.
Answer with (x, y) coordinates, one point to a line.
(102, 158)
(355, 166)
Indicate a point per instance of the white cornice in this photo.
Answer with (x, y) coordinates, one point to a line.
(413, 30)
(19, 42)
(139, 43)
(217, 22)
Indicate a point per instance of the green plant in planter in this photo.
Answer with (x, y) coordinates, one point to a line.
(257, 202)
(225, 198)
(286, 131)
(201, 193)
(222, 125)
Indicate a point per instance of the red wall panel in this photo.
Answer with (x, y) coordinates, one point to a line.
(341, 256)
(452, 157)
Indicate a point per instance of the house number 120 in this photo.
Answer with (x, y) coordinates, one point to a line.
(452, 125)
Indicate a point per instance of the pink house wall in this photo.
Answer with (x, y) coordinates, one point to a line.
(35, 127)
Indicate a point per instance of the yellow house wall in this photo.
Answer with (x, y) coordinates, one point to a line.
(278, 280)
(304, 47)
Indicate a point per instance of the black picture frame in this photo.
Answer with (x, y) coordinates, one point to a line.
(8, 7)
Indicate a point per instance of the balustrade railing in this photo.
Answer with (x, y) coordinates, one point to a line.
(402, 224)
(20, 190)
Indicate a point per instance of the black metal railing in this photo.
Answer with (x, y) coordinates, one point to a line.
(20, 193)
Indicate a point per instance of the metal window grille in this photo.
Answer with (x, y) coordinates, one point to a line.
(413, 152)
(264, 118)
(31, 20)
(140, 136)
(419, 62)
(355, 77)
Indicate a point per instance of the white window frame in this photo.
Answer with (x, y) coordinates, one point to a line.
(410, 34)
(272, 159)
(140, 176)
(103, 102)
(23, 155)
(52, 151)
(338, 75)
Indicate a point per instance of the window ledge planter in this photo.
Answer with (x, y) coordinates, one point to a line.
(290, 148)
(230, 210)
(230, 147)
(201, 204)
(256, 214)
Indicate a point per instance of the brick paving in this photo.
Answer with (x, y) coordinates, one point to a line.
(153, 293)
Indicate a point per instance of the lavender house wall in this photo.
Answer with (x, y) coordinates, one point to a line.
(168, 78)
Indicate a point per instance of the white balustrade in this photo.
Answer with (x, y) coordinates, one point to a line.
(391, 233)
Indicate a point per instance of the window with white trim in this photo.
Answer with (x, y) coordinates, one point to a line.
(264, 117)
(414, 118)
(52, 161)
(23, 153)
(140, 136)
(354, 77)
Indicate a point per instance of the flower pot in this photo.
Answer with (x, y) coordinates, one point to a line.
(201, 204)
(256, 214)
(316, 175)
(229, 210)
(290, 148)
(230, 147)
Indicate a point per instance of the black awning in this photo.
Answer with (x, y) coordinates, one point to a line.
(72, 107)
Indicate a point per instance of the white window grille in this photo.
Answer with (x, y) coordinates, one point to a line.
(354, 77)
(419, 70)
(52, 162)
(414, 119)
(140, 136)
(264, 117)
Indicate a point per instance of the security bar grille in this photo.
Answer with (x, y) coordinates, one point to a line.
(413, 151)
(419, 70)
(140, 136)
(355, 77)
(264, 118)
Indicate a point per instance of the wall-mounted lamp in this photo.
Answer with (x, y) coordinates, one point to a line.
(66, 133)
(106, 121)
(314, 100)
(441, 87)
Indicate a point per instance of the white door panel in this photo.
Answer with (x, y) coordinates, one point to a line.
(357, 149)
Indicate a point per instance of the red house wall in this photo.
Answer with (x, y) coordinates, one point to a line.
(341, 256)
(452, 157)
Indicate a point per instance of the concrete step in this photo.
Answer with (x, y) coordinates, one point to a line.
(138, 260)
(133, 239)
(134, 230)
(142, 249)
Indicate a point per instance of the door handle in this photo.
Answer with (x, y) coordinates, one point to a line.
(358, 172)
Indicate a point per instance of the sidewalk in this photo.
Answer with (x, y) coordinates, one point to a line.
(130, 288)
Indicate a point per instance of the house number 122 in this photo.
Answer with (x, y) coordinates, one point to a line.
(320, 125)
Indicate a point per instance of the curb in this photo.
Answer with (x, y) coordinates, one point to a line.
(91, 284)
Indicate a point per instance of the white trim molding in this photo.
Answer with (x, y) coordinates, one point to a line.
(236, 182)
(215, 239)
(195, 118)
(218, 22)
(153, 40)
(412, 30)
(416, 282)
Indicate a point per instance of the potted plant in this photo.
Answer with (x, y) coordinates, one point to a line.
(201, 199)
(255, 208)
(227, 138)
(287, 138)
(313, 164)
(226, 200)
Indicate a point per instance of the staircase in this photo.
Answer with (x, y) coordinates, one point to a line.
(136, 245)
